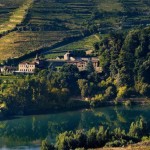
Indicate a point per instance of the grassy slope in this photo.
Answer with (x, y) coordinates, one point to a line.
(49, 21)
(84, 44)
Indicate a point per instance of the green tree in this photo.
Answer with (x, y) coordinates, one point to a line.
(83, 85)
(138, 128)
(47, 146)
(91, 138)
(90, 67)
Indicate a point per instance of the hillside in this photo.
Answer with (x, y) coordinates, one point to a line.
(138, 146)
(6, 8)
(28, 25)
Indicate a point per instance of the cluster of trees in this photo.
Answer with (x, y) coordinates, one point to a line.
(46, 90)
(40, 92)
(95, 138)
(125, 58)
(32, 95)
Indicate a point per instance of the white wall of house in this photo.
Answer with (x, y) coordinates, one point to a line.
(27, 67)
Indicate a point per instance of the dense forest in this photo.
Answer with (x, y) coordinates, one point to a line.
(125, 59)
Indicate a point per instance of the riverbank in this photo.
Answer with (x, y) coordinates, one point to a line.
(141, 101)
(24, 130)
(121, 101)
(79, 104)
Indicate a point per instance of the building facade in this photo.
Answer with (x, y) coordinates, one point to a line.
(82, 65)
(80, 62)
(27, 67)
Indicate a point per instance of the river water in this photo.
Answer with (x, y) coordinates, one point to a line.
(27, 132)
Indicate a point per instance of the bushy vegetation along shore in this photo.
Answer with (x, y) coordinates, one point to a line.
(101, 137)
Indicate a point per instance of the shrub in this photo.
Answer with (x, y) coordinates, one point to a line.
(122, 91)
(127, 103)
(116, 143)
(145, 138)
(138, 128)
(47, 146)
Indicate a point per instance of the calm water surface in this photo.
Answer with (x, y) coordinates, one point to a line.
(26, 133)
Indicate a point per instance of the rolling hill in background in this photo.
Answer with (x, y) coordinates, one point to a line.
(29, 25)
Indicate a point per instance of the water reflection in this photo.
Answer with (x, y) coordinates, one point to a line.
(30, 130)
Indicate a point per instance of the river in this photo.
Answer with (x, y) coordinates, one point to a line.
(27, 132)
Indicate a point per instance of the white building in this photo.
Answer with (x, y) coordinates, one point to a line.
(27, 67)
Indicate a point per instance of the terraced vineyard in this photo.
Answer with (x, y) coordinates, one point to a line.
(29, 25)
(137, 13)
(16, 17)
(19, 43)
(6, 8)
